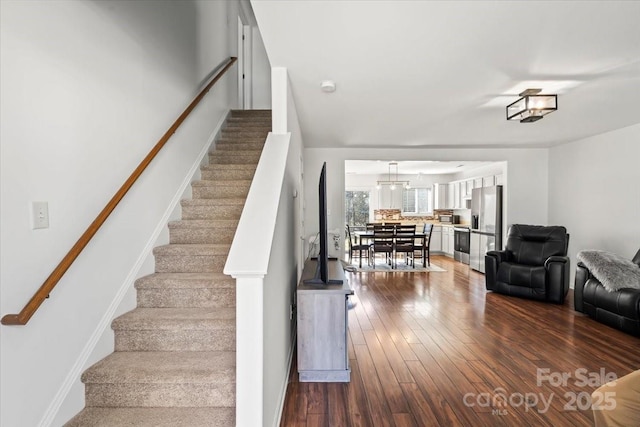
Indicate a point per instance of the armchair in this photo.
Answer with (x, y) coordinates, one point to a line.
(618, 308)
(533, 265)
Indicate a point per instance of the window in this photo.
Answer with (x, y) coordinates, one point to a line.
(417, 201)
(357, 208)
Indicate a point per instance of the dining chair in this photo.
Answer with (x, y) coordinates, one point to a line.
(357, 247)
(424, 243)
(404, 243)
(383, 236)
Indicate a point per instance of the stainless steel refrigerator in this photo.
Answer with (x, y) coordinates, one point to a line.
(486, 224)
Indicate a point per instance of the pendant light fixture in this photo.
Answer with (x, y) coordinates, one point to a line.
(392, 183)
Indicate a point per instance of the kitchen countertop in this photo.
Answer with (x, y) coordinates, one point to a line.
(435, 223)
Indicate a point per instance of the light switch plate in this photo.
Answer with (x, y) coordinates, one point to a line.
(40, 215)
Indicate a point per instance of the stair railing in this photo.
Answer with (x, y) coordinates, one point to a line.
(43, 292)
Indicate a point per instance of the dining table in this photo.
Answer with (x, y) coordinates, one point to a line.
(367, 235)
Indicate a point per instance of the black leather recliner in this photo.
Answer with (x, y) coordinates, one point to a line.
(619, 309)
(533, 265)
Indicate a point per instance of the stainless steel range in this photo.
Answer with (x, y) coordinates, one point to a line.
(462, 241)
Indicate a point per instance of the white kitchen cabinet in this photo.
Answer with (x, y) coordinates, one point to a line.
(448, 244)
(450, 196)
(390, 199)
(440, 196)
(498, 179)
(477, 183)
(445, 239)
(468, 185)
(436, 239)
(457, 195)
(452, 244)
(488, 181)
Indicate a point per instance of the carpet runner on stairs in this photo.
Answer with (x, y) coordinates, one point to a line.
(174, 359)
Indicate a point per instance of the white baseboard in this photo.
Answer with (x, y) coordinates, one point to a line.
(283, 388)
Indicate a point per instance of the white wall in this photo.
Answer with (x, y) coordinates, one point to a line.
(87, 89)
(527, 173)
(261, 73)
(594, 191)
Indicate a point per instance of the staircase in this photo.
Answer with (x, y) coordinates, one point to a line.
(174, 359)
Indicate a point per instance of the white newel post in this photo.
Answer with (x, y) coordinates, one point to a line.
(249, 350)
(279, 87)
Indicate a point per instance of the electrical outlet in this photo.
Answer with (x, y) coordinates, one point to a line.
(40, 215)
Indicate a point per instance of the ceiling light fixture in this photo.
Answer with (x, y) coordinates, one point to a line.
(393, 182)
(532, 106)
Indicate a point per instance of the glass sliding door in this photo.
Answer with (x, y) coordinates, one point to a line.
(357, 208)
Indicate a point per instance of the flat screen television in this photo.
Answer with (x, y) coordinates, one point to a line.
(321, 276)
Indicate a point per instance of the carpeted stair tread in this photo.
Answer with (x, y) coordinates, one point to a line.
(228, 173)
(166, 367)
(192, 250)
(265, 120)
(240, 146)
(205, 189)
(230, 167)
(176, 318)
(226, 207)
(154, 417)
(202, 231)
(204, 223)
(224, 175)
(191, 258)
(223, 167)
(186, 281)
(230, 201)
(245, 183)
(236, 132)
(176, 290)
(247, 153)
(250, 113)
(256, 140)
(231, 158)
(262, 125)
(248, 119)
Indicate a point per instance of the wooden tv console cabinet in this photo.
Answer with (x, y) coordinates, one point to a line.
(322, 326)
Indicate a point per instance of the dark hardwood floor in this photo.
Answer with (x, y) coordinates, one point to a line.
(435, 349)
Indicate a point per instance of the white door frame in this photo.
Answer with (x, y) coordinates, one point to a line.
(245, 100)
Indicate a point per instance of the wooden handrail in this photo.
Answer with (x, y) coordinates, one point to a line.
(43, 292)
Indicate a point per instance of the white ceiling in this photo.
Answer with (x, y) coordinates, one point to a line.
(440, 73)
(409, 167)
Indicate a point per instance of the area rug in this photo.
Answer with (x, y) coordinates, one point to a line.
(400, 268)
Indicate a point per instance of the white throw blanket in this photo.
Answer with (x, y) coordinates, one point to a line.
(613, 271)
